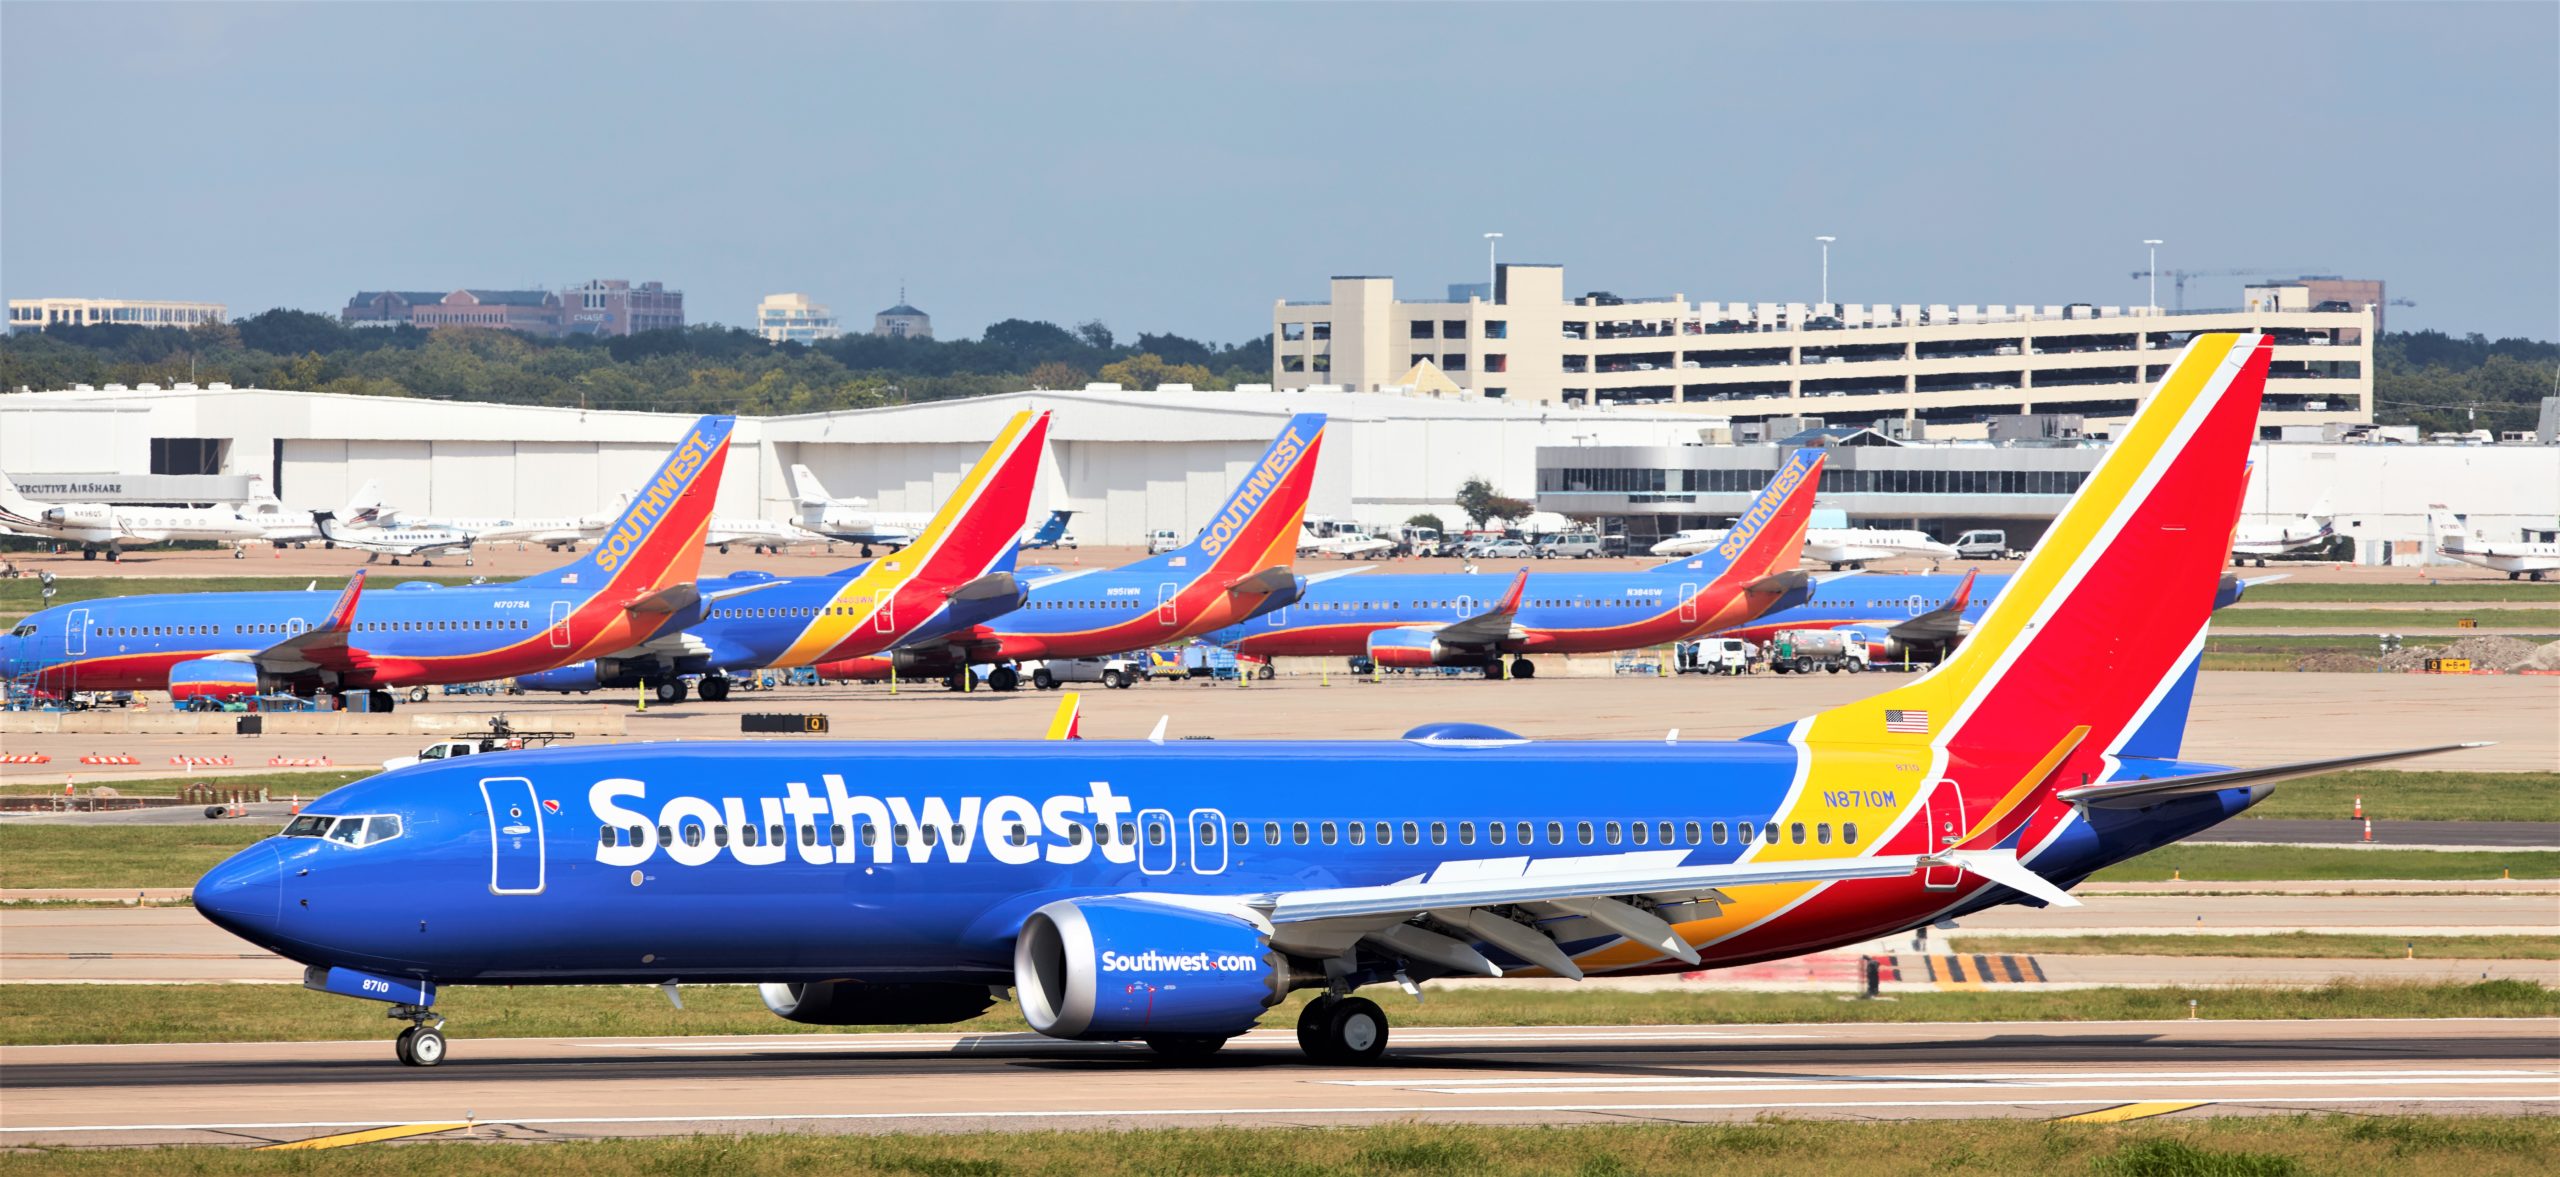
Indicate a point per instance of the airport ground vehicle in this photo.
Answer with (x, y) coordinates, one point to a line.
(1505, 549)
(1804, 651)
(501, 738)
(1983, 544)
(1116, 673)
(1715, 656)
(1163, 540)
(1577, 545)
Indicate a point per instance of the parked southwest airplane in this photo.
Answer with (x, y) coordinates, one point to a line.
(957, 573)
(1138, 891)
(1464, 619)
(1238, 566)
(222, 644)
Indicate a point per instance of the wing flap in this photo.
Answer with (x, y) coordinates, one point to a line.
(1416, 897)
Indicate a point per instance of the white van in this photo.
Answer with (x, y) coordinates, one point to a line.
(1160, 542)
(1987, 544)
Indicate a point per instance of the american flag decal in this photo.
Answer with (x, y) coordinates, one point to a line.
(1907, 721)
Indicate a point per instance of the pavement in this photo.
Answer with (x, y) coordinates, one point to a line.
(2387, 834)
(2238, 718)
(567, 1089)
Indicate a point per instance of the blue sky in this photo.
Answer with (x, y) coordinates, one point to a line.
(1176, 168)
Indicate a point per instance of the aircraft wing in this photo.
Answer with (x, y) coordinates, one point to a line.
(1508, 903)
(1941, 625)
(321, 646)
(1491, 626)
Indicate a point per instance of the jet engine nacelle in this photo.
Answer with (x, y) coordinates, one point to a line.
(856, 1003)
(207, 678)
(1417, 649)
(1113, 968)
(595, 674)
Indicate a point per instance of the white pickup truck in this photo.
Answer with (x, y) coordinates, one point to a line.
(1115, 673)
(501, 741)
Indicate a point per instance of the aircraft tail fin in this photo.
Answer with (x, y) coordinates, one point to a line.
(657, 539)
(2102, 627)
(1052, 530)
(365, 507)
(977, 528)
(805, 486)
(1769, 536)
(1258, 526)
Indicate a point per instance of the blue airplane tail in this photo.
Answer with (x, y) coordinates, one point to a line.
(1257, 527)
(1053, 530)
(1780, 513)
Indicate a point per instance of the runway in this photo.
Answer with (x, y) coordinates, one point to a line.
(2512, 835)
(539, 1089)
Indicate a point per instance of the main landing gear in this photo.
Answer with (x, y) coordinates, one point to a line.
(421, 1045)
(671, 691)
(715, 687)
(1342, 1030)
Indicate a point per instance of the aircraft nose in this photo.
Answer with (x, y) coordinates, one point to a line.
(245, 894)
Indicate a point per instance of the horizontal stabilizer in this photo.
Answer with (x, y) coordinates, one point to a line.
(1780, 582)
(2136, 794)
(2003, 867)
(994, 586)
(1270, 580)
(674, 598)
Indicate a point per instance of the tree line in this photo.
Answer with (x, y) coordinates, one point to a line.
(692, 369)
(2440, 382)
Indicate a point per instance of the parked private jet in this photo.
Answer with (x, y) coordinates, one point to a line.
(112, 528)
(2519, 560)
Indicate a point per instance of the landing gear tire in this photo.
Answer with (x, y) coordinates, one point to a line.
(1343, 1031)
(715, 688)
(417, 694)
(419, 1046)
(957, 680)
(1520, 668)
(1186, 1048)
(382, 701)
(1006, 678)
(90, 554)
(672, 691)
(1265, 673)
(1044, 680)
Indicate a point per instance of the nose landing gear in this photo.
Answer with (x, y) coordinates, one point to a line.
(421, 1045)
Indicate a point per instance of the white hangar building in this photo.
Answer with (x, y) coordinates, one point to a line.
(1127, 462)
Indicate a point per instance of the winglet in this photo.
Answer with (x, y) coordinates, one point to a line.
(1964, 591)
(342, 613)
(1511, 600)
(1067, 724)
(1157, 736)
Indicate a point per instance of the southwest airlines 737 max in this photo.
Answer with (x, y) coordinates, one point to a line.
(1171, 893)
(220, 644)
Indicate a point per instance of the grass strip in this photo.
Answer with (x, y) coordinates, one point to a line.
(2385, 621)
(2415, 796)
(309, 784)
(2287, 945)
(2502, 592)
(2206, 862)
(49, 855)
(2192, 1144)
(95, 1014)
(25, 594)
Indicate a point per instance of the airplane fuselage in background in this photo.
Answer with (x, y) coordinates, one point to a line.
(1560, 613)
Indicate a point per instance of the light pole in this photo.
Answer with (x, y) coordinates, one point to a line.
(1826, 271)
(2152, 271)
(1492, 272)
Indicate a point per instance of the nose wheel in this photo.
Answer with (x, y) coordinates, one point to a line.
(1343, 1031)
(422, 1044)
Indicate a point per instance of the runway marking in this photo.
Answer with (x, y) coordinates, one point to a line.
(1407, 1039)
(342, 1140)
(1380, 1110)
(2130, 1111)
(1973, 1077)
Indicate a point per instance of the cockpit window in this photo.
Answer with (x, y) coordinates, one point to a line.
(23, 631)
(347, 831)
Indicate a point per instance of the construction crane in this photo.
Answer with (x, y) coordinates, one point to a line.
(2178, 278)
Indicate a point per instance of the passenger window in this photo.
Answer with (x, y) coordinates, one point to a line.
(1385, 836)
(835, 835)
(1716, 831)
(1128, 834)
(1208, 834)
(1155, 833)
(778, 838)
(1689, 833)
(1439, 833)
(1102, 834)
(1612, 829)
(898, 833)
(1555, 833)
(1271, 833)
(1327, 832)
(1526, 834)
(1412, 834)
(667, 837)
(1241, 834)
(1795, 832)
(870, 834)
(1298, 832)
(1662, 833)
(749, 835)
(1849, 832)
(637, 833)
(1075, 834)
(1359, 833)
(1747, 830)
(719, 835)
(1639, 831)
(932, 835)
(1022, 837)
(1466, 833)
(1582, 830)
(604, 835)
(1822, 833)
(1493, 831)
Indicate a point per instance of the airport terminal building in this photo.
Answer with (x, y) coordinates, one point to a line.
(1940, 368)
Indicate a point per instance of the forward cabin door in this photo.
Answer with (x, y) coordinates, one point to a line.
(75, 633)
(517, 860)
(1945, 816)
(559, 625)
